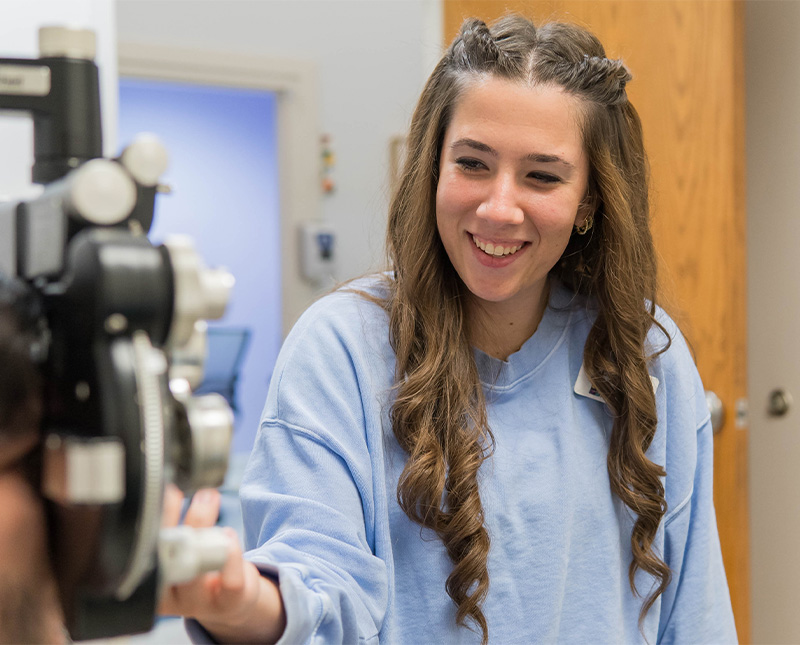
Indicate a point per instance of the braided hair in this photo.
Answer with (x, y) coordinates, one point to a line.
(439, 413)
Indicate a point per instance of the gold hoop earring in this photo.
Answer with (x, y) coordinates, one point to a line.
(583, 229)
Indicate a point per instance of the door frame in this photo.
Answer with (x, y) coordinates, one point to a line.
(296, 85)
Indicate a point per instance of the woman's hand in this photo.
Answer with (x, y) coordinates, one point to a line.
(235, 604)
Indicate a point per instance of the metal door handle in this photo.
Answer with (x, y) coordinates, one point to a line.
(717, 410)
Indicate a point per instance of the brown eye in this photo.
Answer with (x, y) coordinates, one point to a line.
(544, 177)
(470, 164)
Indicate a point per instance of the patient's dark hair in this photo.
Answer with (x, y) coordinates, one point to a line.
(20, 381)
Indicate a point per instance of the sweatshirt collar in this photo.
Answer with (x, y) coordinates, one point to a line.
(497, 374)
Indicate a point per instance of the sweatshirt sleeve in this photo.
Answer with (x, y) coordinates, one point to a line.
(308, 492)
(696, 606)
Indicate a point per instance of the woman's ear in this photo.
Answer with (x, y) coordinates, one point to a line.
(586, 208)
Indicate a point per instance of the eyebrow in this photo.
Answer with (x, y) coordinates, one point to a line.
(536, 157)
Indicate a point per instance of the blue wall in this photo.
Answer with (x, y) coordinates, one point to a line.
(224, 175)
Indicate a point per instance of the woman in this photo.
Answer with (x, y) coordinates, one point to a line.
(502, 438)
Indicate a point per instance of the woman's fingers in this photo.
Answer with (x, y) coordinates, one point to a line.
(232, 573)
(204, 508)
(192, 599)
(173, 502)
(212, 595)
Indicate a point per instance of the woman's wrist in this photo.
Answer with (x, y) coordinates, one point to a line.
(261, 621)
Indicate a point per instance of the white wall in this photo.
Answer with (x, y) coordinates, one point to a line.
(372, 56)
(773, 238)
(19, 26)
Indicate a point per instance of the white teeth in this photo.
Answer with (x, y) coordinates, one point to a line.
(496, 251)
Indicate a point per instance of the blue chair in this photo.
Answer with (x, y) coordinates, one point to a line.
(227, 347)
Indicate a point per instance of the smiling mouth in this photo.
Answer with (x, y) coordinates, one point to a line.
(496, 250)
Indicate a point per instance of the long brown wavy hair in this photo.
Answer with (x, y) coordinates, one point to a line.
(439, 414)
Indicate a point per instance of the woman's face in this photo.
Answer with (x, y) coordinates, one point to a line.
(512, 177)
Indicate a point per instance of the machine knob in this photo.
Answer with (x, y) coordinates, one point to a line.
(66, 42)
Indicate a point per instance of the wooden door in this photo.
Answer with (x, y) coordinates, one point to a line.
(687, 61)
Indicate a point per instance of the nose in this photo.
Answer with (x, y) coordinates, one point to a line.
(501, 203)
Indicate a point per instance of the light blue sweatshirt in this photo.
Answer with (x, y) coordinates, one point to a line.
(321, 513)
